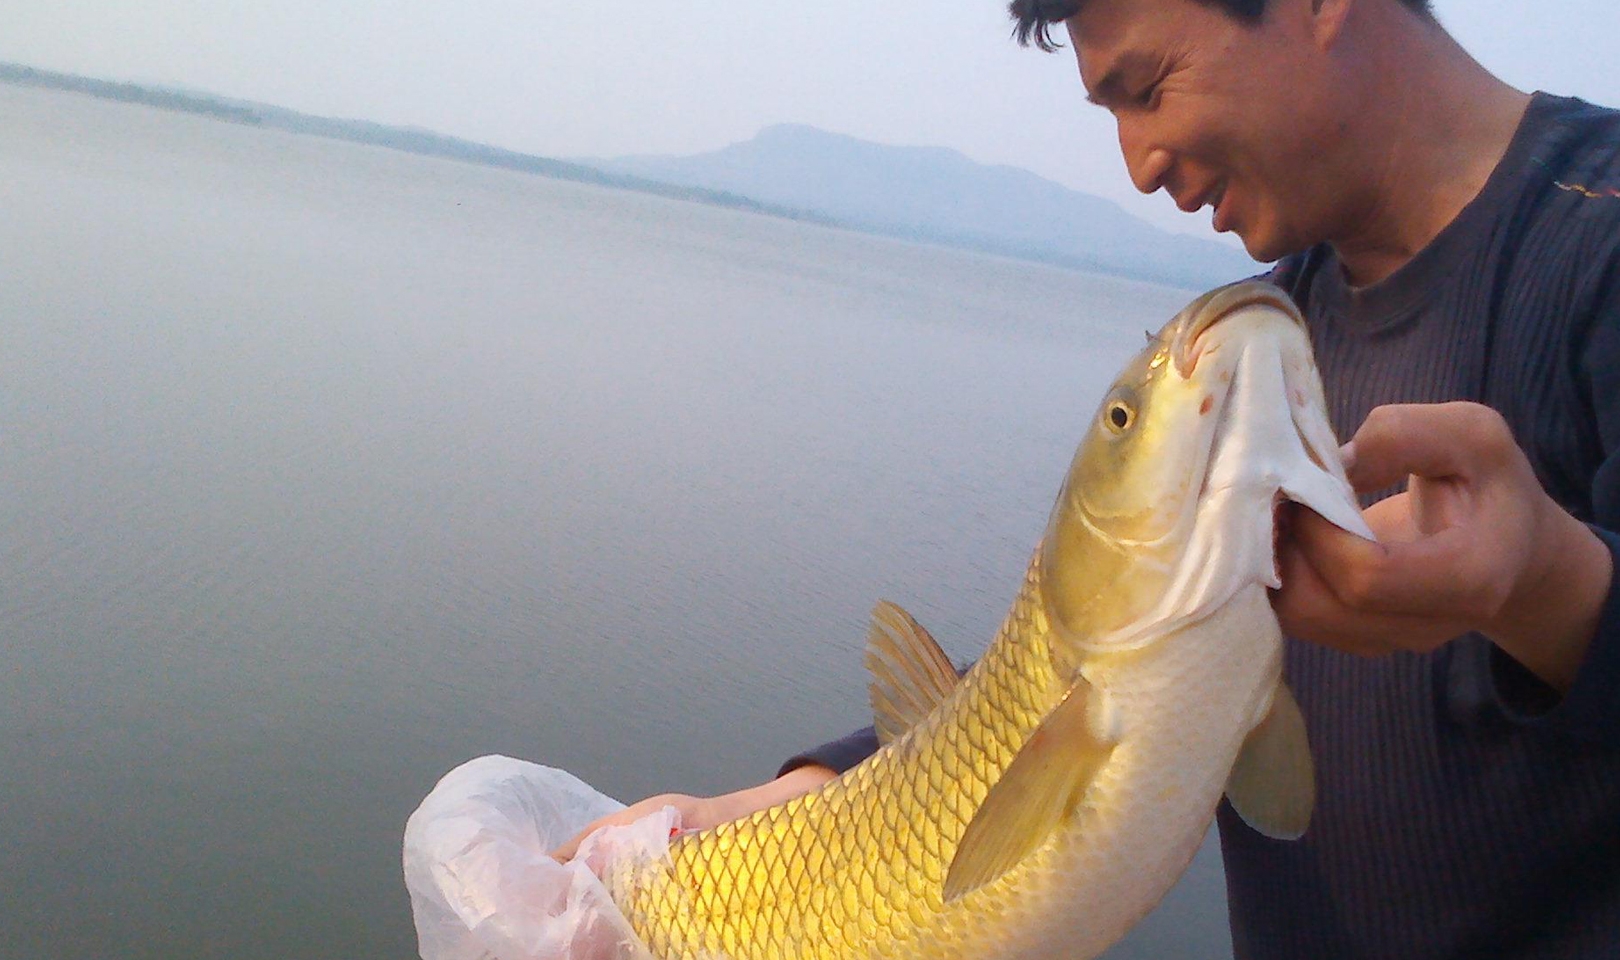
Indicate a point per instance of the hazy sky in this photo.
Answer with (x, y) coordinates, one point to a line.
(583, 79)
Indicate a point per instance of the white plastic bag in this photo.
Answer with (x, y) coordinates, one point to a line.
(482, 886)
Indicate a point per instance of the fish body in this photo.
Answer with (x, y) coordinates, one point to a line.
(1045, 802)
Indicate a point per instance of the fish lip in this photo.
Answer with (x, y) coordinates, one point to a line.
(1199, 316)
(1279, 517)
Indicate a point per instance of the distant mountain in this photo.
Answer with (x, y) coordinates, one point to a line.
(938, 195)
(918, 193)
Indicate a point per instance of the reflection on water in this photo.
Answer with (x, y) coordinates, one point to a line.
(328, 468)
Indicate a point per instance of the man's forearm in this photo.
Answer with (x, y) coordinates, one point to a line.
(1549, 627)
(798, 781)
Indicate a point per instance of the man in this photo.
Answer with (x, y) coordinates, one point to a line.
(1449, 238)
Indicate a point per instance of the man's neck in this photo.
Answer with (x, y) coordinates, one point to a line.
(1436, 125)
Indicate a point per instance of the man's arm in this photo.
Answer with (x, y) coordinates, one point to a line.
(700, 813)
(1477, 544)
(799, 775)
(1474, 544)
(838, 755)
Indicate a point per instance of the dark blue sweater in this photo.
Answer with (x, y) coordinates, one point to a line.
(1464, 809)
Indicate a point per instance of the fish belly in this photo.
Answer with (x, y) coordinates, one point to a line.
(1187, 704)
(856, 869)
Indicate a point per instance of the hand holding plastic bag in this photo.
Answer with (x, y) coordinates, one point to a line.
(482, 884)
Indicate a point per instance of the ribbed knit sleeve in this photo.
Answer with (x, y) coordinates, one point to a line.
(838, 755)
(1464, 808)
(1590, 710)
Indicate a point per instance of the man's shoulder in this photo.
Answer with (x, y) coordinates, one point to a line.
(1576, 145)
(1572, 109)
(1556, 194)
(1548, 223)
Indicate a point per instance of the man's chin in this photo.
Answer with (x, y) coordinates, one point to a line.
(1267, 248)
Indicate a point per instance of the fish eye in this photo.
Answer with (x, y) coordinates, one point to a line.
(1118, 415)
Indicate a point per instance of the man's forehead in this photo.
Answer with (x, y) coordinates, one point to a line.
(1107, 35)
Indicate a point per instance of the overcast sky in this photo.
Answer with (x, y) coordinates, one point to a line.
(580, 79)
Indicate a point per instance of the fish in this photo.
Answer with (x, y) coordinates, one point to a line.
(1042, 803)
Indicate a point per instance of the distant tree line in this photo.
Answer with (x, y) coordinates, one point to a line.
(407, 139)
(128, 93)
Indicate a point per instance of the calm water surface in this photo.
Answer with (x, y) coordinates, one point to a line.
(325, 468)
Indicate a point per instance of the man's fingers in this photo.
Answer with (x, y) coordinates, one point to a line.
(1307, 608)
(623, 817)
(1426, 439)
(695, 813)
(1451, 550)
(1391, 519)
(566, 852)
(1444, 575)
(1322, 601)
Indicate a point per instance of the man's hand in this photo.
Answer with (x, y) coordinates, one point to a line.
(1474, 543)
(696, 813)
(701, 813)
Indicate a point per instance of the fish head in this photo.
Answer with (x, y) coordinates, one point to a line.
(1169, 505)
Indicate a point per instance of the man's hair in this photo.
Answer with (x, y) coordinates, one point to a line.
(1034, 18)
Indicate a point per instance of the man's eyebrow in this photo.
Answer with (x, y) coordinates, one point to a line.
(1110, 89)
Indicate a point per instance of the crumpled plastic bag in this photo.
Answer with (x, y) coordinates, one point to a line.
(482, 886)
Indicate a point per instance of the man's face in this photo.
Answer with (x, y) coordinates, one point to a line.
(1241, 117)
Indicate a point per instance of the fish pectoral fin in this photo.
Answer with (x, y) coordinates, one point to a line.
(1273, 783)
(910, 673)
(1039, 790)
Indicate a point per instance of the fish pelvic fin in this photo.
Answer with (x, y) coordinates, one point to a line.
(1039, 791)
(1273, 783)
(911, 675)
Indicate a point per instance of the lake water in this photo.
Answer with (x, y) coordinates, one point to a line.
(325, 468)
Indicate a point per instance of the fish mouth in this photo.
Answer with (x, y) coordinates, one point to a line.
(1271, 444)
(1201, 317)
(1187, 345)
(1285, 446)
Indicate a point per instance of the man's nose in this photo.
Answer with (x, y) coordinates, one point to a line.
(1148, 164)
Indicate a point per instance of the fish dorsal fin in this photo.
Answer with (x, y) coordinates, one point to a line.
(910, 673)
(1039, 790)
(1273, 784)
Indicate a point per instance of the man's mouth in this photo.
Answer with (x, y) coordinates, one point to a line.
(1218, 221)
(1194, 202)
(1211, 197)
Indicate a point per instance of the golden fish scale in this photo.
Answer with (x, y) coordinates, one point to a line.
(854, 869)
